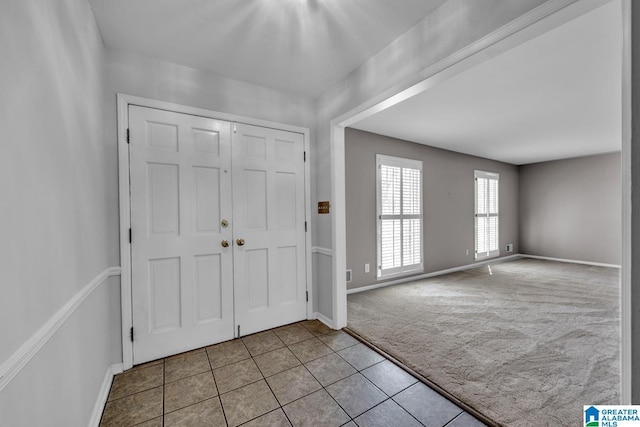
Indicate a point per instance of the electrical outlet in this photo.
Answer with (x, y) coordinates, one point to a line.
(510, 247)
(366, 268)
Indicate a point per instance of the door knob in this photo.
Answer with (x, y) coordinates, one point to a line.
(240, 242)
(224, 244)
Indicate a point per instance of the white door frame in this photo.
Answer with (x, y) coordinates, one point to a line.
(124, 101)
(549, 15)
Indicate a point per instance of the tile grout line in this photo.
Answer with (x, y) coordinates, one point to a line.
(339, 405)
(224, 414)
(133, 394)
(164, 378)
(389, 397)
(321, 385)
(277, 400)
(327, 391)
(264, 378)
(422, 379)
(453, 419)
(194, 403)
(324, 388)
(359, 371)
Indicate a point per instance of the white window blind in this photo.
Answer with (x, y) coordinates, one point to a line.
(399, 211)
(487, 215)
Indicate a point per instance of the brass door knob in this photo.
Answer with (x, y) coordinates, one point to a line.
(240, 242)
(224, 244)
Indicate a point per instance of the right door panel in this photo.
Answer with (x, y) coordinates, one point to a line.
(269, 229)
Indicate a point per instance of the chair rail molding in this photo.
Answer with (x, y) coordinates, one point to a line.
(322, 251)
(18, 360)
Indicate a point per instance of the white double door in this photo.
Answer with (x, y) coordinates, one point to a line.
(218, 230)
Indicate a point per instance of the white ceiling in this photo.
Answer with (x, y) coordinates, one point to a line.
(296, 46)
(555, 96)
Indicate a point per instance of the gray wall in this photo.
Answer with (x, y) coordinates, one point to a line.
(571, 209)
(407, 60)
(56, 199)
(448, 201)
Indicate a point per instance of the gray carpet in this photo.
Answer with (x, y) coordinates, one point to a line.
(527, 345)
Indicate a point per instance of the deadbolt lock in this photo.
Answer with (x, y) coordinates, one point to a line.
(224, 223)
(225, 244)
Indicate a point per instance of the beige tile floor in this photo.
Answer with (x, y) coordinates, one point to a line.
(303, 374)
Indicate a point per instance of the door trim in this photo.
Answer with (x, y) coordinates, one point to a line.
(123, 102)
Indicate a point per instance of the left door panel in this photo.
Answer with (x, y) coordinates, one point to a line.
(182, 278)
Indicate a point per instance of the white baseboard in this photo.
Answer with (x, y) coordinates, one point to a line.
(324, 319)
(101, 401)
(434, 274)
(472, 266)
(573, 261)
(12, 366)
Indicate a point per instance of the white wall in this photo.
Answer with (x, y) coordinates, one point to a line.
(164, 81)
(60, 385)
(55, 230)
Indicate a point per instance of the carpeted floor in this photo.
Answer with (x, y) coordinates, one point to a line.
(527, 345)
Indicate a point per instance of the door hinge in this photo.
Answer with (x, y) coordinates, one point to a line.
(130, 236)
(307, 296)
(305, 226)
(238, 331)
(131, 334)
(234, 128)
(128, 137)
(305, 156)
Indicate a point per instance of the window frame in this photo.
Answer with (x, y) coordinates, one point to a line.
(400, 162)
(489, 176)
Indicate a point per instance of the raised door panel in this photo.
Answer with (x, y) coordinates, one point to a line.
(206, 200)
(208, 288)
(164, 294)
(163, 200)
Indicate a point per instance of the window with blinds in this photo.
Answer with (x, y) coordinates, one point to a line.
(487, 215)
(399, 211)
